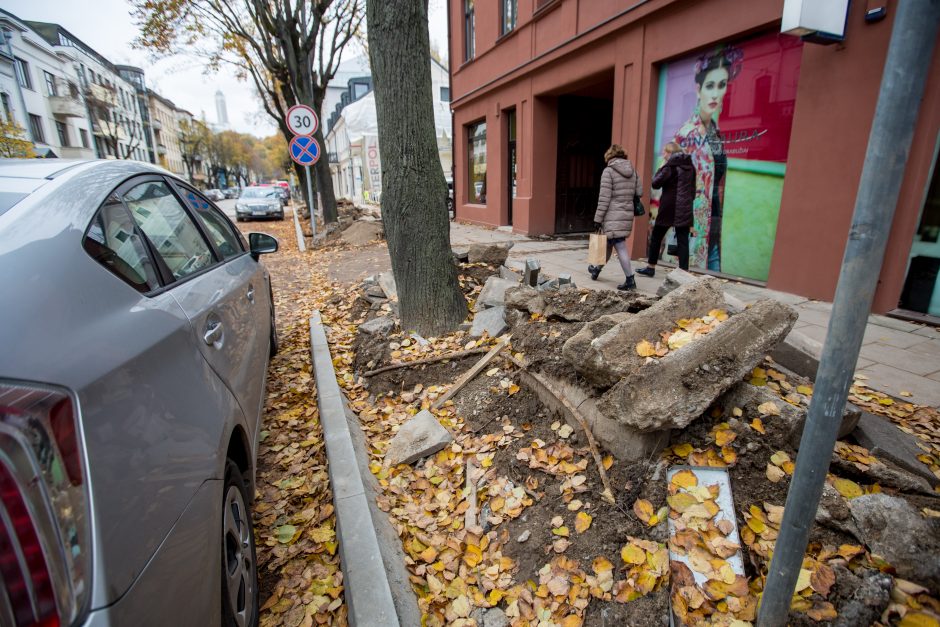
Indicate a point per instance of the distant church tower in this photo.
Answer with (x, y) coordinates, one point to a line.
(221, 113)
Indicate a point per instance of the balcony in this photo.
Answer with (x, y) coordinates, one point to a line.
(161, 149)
(66, 107)
(101, 94)
(156, 124)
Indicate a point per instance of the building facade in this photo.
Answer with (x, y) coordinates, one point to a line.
(42, 95)
(135, 76)
(164, 123)
(777, 129)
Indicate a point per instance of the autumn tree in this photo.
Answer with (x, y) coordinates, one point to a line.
(414, 192)
(288, 49)
(193, 140)
(13, 142)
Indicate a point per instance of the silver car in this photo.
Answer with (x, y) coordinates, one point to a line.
(136, 326)
(259, 202)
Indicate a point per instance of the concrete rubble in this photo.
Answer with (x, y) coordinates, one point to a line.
(509, 274)
(886, 441)
(378, 326)
(421, 436)
(494, 254)
(491, 321)
(387, 283)
(493, 293)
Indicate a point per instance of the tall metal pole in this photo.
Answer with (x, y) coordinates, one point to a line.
(902, 87)
(311, 206)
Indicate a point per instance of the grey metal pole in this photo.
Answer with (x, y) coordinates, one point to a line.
(310, 203)
(902, 87)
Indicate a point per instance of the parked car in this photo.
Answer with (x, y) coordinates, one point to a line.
(137, 327)
(231, 192)
(259, 202)
(215, 194)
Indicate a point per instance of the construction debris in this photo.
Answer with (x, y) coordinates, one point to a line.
(493, 254)
(421, 436)
(493, 293)
(490, 321)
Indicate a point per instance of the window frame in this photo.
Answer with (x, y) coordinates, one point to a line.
(83, 137)
(181, 189)
(442, 92)
(62, 131)
(503, 5)
(51, 89)
(36, 128)
(469, 31)
(472, 197)
(21, 69)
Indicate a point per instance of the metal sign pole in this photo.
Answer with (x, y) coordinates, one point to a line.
(310, 205)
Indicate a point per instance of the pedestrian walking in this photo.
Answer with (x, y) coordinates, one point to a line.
(614, 215)
(676, 179)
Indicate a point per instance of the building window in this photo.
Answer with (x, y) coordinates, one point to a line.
(7, 112)
(83, 134)
(445, 94)
(63, 133)
(35, 126)
(50, 84)
(469, 29)
(22, 73)
(508, 16)
(476, 145)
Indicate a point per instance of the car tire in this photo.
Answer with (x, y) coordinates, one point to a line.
(239, 562)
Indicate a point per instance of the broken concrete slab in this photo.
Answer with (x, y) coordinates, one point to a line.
(870, 595)
(493, 293)
(375, 291)
(580, 342)
(509, 275)
(461, 254)
(564, 279)
(387, 283)
(800, 353)
(491, 321)
(679, 277)
(532, 269)
(494, 254)
(673, 391)
(379, 326)
(883, 439)
(421, 436)
(882, 520)
(361, 232)
(612, 355)
(885, 474)
(572, 305)
(524, 298)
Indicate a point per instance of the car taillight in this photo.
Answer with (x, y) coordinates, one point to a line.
(45, 542)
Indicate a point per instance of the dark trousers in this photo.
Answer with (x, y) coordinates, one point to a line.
(682, 241)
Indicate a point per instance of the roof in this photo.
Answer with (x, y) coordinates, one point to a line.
(37, 168)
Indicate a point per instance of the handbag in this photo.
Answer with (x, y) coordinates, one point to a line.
(673, 247)
(597, 249)
(638, 209)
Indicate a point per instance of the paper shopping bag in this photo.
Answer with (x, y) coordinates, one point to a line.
(597, 249)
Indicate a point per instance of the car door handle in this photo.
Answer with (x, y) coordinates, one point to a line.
(213, 332)
(251, 294)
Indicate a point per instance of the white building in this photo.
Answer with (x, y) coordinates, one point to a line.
(43, 94)
(352, 140)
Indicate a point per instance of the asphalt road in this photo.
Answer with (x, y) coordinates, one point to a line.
(228, 206)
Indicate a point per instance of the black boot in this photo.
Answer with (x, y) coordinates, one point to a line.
(650, 272)
(629, 284)
(594, 271)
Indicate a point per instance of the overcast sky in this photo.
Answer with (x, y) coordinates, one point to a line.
(106, 26)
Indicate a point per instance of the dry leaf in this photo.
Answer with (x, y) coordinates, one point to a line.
(582, 522)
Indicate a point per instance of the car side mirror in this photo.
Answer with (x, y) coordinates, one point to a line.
(261, 244)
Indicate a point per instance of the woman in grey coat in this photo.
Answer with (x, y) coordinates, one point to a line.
(614, 215)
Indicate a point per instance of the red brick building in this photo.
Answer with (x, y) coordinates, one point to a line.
(540, 88)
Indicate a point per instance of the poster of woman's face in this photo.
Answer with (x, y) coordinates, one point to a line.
(731, 107)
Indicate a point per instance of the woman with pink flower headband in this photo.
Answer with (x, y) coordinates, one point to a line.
(701, 138)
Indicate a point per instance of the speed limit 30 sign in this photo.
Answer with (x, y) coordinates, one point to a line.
(301, 120)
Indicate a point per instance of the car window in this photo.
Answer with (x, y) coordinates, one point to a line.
(256, 192)
(220, 231)
(170, 229)
(112, 241)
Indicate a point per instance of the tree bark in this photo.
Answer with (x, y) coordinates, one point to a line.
(413, 188)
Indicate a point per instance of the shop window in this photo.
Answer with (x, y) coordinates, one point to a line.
(476, 160)
(508, 15)
(469, 31)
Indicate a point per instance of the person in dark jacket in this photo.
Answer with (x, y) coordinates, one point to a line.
(614, 215)
(677, 180)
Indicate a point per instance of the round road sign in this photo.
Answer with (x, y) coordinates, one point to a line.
(301, 120)
(304, 150)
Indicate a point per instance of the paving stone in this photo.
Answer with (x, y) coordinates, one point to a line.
(891, 380)
(493, 293)
(491, 321)
(816, 332)
(931, 332)
(931, 348)
(421, 436)
(923, 364)
(892, 323)
(380, 326)
(532, 268)
(812, 316)
(882, 335)
(885, 440)
(800, 353)
(387, 283)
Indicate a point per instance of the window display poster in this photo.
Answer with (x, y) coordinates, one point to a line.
(731, 108)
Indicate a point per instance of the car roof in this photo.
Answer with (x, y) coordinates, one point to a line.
(37, 168)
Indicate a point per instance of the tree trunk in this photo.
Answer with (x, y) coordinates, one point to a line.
(414, 192)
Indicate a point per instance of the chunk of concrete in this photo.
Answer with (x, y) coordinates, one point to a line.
(495, 617)
(375, 291)
(674, 280)
(869, 595)
(387, 283)
(421, 436)
(890, 527)
(493, 293)
(532, 269)
(612, 355)
(883, 439)
(800, 353)
(509, 275)
(493, 254)
(491, 321)
(580, 342)
(564, 279)
(461, 254)
(524, 298)
(673, 391)
(378, 326)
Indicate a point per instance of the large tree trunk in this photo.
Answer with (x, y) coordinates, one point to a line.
(413, 188)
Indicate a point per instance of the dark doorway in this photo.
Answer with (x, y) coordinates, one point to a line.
(511, 178)
(584, 132)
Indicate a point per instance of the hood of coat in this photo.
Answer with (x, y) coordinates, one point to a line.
(680, 160)
(621, 166)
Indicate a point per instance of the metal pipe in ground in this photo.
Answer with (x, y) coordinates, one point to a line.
(902, 86)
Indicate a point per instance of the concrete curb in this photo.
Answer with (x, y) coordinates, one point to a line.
(368, 592)
(298, 230)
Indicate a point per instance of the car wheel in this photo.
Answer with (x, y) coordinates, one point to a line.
(239, 566)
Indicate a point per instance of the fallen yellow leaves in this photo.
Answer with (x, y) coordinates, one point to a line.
(684, 332)
(644, 511)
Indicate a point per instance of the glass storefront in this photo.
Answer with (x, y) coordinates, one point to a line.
(476, 145)
(921, 292)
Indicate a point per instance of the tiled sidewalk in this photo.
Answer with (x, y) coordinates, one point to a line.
(896, 356)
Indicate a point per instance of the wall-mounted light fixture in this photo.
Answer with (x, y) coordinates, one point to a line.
(816, 21)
